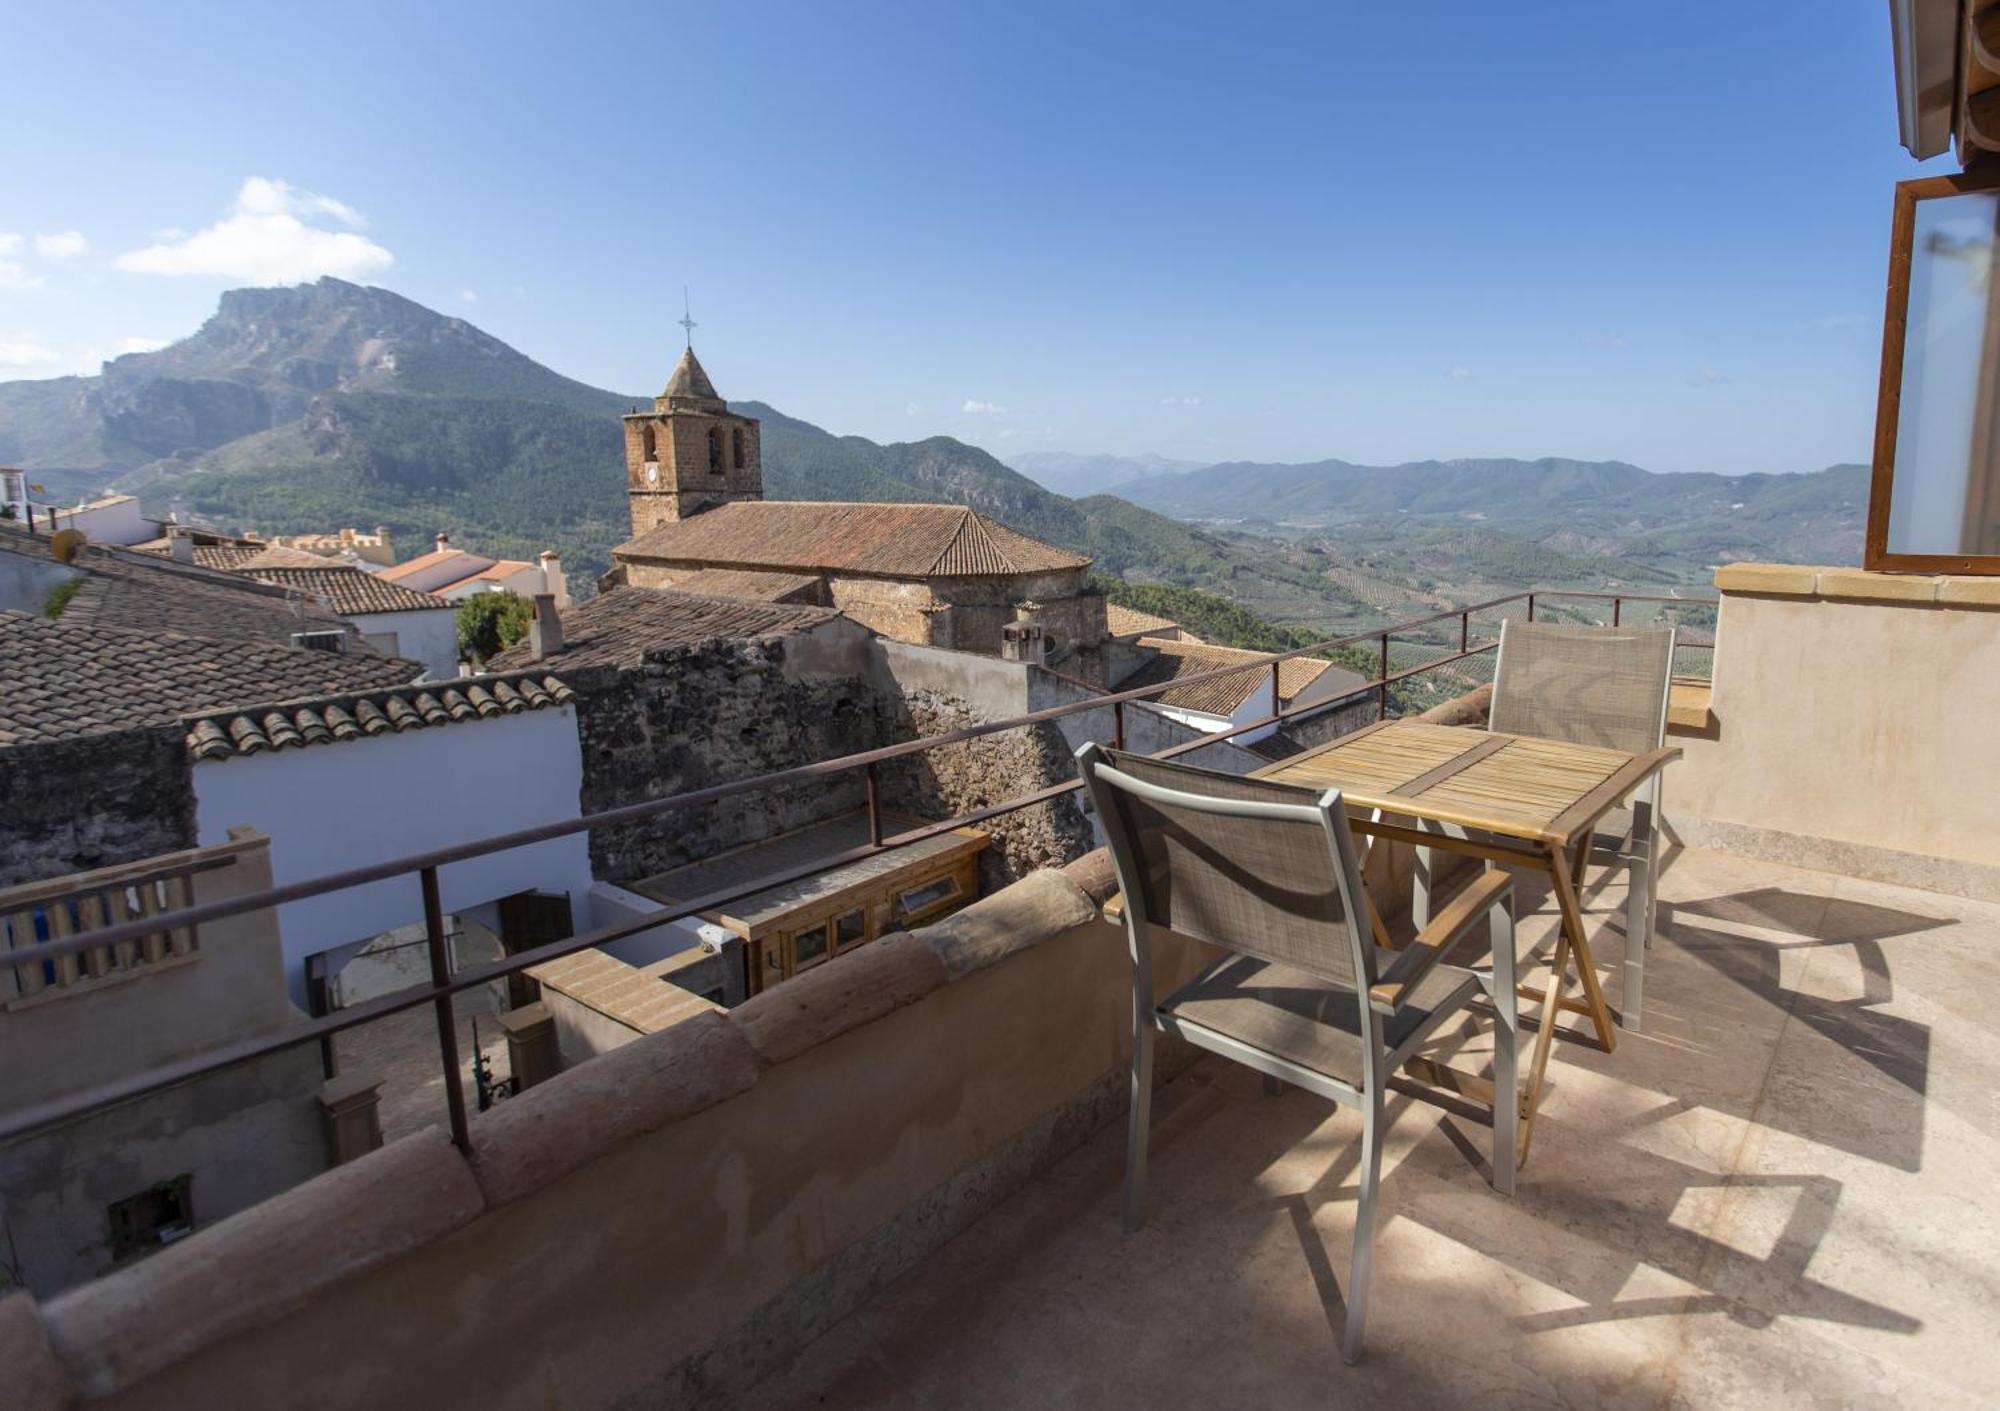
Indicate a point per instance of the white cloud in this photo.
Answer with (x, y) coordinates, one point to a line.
(1006, 433)
(912, 409)
(62, 245)
(1460, 374)
(1614, 341)
(1180, 401)
(977, 408)
(267, 238)
(25, 352)
(141, 345)
(14, 275)
(468, 296)
(10, 244)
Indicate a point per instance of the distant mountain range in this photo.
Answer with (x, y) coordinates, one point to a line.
(328, 404)
(1068, 473)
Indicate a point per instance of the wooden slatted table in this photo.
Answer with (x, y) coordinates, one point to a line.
(1508, 799)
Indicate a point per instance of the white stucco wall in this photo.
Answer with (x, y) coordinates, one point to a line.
(429, 636)
(610, 905)
(331, 807)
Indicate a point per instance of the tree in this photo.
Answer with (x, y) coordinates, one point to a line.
(489, 623)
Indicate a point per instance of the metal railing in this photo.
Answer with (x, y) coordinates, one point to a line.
(445, 985)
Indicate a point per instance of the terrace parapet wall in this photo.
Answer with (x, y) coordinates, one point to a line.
(654, 1226)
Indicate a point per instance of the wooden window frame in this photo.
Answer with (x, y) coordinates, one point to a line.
(1876, 557)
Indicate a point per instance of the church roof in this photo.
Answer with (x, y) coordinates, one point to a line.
(690, 382)
(881, 540)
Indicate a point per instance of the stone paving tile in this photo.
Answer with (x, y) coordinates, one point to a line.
(1777, 1193)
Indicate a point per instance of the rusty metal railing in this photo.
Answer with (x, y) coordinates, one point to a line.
(445, 985)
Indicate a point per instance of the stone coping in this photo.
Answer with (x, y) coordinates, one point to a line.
(267, 1263)
(1791, 580)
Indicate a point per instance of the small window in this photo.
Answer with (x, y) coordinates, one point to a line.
(927, 897)
(714, 451)
(648, 447)
(849, 930)
(809, 948)
(143, 1222)
(736, 447)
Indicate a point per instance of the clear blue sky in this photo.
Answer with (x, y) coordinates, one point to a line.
(1377, 232)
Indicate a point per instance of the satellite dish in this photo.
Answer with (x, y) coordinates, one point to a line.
(66, 545)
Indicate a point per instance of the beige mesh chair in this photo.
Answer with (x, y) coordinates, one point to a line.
(1604, 686)
(1303, 995)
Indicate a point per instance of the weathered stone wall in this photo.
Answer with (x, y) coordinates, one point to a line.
(94, 801)
(897, 609)
(956, 779)
(706, 715)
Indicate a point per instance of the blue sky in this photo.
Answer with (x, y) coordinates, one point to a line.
(1376, 232)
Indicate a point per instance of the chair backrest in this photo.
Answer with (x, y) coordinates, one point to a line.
(1250, 865)
(1587, 685)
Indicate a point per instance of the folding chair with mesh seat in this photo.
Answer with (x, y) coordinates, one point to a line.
(1267, 872)
(1605, 686)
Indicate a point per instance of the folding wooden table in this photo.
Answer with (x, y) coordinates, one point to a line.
(1513, 800)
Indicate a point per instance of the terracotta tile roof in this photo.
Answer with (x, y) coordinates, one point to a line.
(358, 715)
(279, 556)
(71, 677)
(501, 568)
(472, 563)
(749, 583)
(350, 590)
(620, 627)
(1122, 621)
(145, 593)
(1221, 696)
(891, 541)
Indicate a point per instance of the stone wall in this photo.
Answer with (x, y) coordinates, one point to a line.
(699, 716)
(955, 779)
(93, 801)
(659, 1226)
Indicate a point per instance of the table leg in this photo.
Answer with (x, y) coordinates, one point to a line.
(1579, 944)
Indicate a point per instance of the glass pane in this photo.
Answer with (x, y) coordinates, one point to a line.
(850, 929)
(808, 947)
(1945, 495)
(929, 894)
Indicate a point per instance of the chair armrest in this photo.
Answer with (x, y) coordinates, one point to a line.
(1436, 940)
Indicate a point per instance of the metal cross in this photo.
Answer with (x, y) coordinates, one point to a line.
(686, 320)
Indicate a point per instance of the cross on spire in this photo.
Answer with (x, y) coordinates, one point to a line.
(686, 320)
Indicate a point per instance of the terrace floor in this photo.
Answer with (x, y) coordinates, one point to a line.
(1781, 1193)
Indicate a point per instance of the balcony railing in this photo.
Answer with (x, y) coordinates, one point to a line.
(140, 930)
(139, 902)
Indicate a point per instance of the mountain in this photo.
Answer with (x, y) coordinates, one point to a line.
(1067, 473)
(308, 408)
(1588, 508)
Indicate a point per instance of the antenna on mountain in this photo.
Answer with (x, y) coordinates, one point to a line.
(686, 320)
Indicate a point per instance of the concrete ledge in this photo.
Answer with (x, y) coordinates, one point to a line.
(1876, 587)
(1788, 580)
(1782, 579)
(555, 1127)
(1096, 876)
(262, 1264)
(1472, 708)
(34, 1379)
(1040, 905)
(828, 1000)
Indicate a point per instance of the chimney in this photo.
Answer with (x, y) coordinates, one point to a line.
(180, 545)
(545, 632)
(552, 575)
(1023, 641)
(443, 541)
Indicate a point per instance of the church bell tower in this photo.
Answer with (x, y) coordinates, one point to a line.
(690, 452)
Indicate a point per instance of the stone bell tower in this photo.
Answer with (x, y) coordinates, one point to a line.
(690, 452)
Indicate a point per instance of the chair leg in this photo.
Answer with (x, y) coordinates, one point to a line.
(1364, 1227)
(1141, 1119)
(1639, 901)
(1506, 1049)
(1274, 1086)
